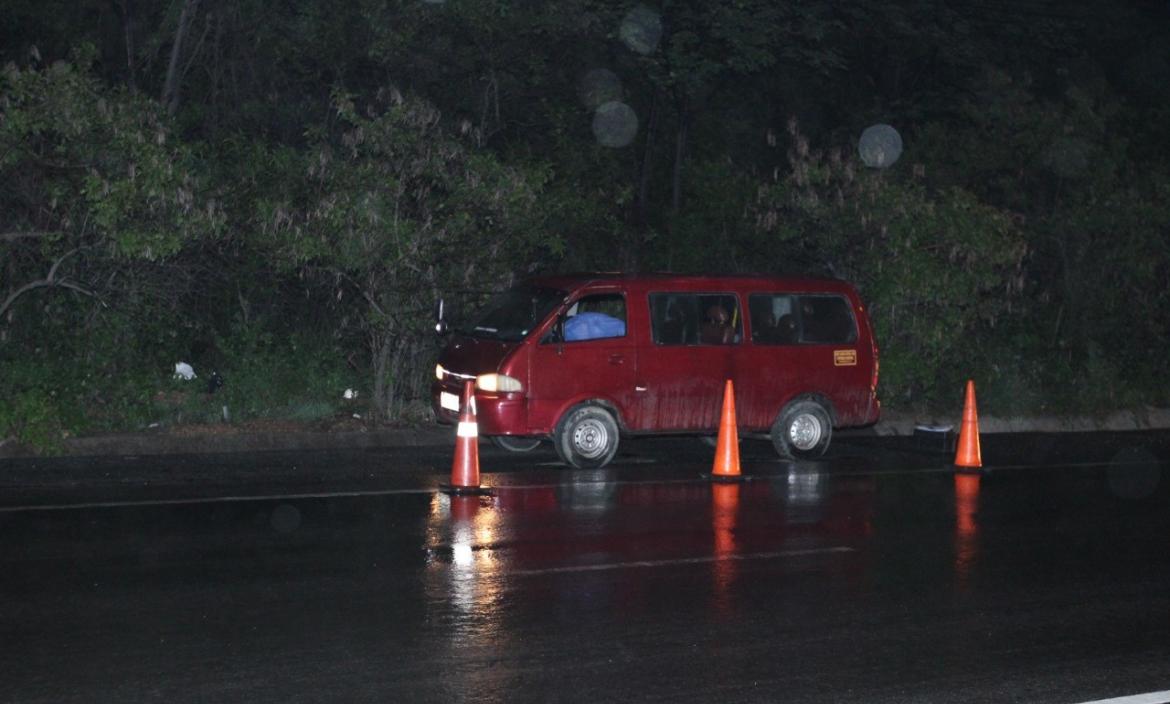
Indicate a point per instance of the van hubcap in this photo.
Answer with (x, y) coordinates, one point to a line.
(805, 431)
(590, 438)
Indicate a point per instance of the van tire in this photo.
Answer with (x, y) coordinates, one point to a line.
(802, 431)
(586, 437)
(515, 443)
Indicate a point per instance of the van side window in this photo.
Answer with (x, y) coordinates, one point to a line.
(596, 317)
(827, 320)
(674, 319)
(773, 319)
(695, 319)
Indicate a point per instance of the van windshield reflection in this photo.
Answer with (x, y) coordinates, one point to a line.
(511, 315)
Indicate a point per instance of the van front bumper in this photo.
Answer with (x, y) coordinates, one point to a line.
(495, 414)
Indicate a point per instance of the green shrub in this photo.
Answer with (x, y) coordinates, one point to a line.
(32, 418)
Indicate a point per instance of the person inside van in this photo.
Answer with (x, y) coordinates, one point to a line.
(772, 324)
(764, 326)
(785, 331)
(717, 328)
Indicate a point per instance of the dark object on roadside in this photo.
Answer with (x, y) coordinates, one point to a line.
(214, 382)
(935, 438)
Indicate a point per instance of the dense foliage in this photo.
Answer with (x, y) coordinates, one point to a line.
(278, 192)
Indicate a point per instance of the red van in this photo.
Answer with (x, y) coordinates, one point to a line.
(585, 359)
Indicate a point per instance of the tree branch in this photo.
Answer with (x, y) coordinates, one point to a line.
(353, 282)
(170, 94)
(40, 283)
(49, 281)
(14, 236)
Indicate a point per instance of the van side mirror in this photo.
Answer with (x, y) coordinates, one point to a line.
(556, 333)
(559, 330)
(441, 326)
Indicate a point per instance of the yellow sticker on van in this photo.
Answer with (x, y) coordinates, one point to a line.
(845, 358)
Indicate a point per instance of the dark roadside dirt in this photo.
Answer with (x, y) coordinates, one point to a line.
(344, 432)
(248, 436)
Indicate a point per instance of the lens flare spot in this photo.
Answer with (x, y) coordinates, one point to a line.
(641, 30)
(880, 146)
(615, 124)
(599, 86)
(1134, 473)
(286, 518)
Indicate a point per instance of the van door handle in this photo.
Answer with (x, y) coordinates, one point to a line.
(617, 359)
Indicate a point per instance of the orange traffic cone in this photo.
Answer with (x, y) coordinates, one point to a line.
(726, 466)
(465, 468)
(967, 455)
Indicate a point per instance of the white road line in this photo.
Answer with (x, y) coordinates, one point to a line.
(681, 561)
(391, 492)
(949, 469)
(1149, 698)
(146, 503)
(210, 500)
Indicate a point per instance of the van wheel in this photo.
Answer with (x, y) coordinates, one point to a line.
(586, 437)
(515, 444)
(802, 431)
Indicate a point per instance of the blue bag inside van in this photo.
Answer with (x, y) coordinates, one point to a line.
(593, 326)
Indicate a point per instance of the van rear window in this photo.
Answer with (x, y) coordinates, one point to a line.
(783, 318)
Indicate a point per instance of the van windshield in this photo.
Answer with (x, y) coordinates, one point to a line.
(511, 315)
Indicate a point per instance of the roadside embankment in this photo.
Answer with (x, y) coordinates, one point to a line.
(287, 436)
(900, 423)
(226, 438)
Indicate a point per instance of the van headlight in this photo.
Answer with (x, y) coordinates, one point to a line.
(497, 383)
(439, 372)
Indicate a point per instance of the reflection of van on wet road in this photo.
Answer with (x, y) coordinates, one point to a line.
(585, 359)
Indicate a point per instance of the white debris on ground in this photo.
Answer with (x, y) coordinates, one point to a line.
(350, 394)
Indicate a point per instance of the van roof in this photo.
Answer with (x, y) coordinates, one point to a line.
(697, 282)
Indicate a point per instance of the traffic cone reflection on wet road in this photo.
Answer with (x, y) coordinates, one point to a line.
(966, 527)
(726, 467)
(724, 516)
(465, 467)
(724, 510)
(967, 455)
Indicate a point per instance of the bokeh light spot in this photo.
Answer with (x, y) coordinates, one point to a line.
(641, 30)
(598, 87)
(1068, 157)
(286, 518)
(880, 146)
(1134, 473)
(615, 124)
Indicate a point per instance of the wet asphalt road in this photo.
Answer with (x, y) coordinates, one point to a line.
(876, 575)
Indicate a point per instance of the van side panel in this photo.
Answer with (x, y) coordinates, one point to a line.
(769, 376)
(862, 395)
(680, 387)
